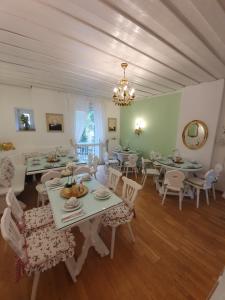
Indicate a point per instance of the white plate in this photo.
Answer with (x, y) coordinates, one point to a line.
(73, 208)
(103, 198)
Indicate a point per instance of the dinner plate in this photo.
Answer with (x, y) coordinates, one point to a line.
(73, 208)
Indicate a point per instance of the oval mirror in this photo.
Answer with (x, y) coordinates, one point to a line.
(195, 134)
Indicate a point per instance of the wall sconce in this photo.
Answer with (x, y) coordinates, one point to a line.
(139, 126)
(7, 146)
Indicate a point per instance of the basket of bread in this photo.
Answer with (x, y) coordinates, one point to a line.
(74, 190)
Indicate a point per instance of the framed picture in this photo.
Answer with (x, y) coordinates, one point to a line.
(24, 119)
(54, 122)
(112, 124)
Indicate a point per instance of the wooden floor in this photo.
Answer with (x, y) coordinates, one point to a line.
(177, 255)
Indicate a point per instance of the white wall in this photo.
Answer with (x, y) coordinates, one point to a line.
(200, 102)
(42, 101)
(219, 149)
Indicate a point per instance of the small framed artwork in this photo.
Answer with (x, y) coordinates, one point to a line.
(54, 122)
(24, 119)
(112, 124)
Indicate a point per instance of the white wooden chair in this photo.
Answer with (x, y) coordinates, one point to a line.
(41, 189)
(83, 170)
(148, 171)
(218, 170)
(113, 179)
(204, 184)
(40, 251)
(131, 164)
(94, 165)
(31, 219)
(90, 159)
(110, 162)
(174, 181)
(123, 213)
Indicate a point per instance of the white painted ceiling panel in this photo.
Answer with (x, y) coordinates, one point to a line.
(78, 45)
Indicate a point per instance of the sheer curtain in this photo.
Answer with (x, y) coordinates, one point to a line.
(81, 108)
(100, 121)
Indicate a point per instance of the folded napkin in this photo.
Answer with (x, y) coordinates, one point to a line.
(69, 216)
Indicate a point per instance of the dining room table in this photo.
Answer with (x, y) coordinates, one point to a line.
(122, 155)
(188, 167)
(87, 218)
(40, 164)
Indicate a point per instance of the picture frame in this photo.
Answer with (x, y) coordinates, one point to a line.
(54, 122)
(112, 124)
(24, 118)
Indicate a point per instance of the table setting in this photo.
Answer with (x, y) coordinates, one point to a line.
(84, 212)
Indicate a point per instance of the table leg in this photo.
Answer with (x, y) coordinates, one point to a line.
(89, 230)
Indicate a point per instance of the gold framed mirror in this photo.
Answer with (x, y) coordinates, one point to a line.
(195, 134)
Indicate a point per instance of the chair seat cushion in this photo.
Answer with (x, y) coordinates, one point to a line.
(118, 215)
(195, 181)
(37, 217)
(46, 247)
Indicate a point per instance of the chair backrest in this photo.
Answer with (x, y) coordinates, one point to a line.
(132, 160)
(82, 170)
(113, 178)
(174, 179)
(106, 157)
(218, 169)
(90, 159)
(15, 207)
(50, 175)
(210, 178)
(12, 235)
(130, 191)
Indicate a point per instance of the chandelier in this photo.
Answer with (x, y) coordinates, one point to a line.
(123, 95)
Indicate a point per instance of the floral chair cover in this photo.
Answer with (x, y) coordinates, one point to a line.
(118, 215)
(37, 217)
(47, 247)
(7, 171)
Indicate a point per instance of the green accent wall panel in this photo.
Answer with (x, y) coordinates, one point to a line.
(160, 115)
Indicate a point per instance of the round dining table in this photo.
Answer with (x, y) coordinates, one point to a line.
(188, 167)
(184, 166)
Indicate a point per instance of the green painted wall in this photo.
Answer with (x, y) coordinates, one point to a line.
(160, 115)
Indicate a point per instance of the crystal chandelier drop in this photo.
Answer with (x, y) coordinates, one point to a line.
(123, 95)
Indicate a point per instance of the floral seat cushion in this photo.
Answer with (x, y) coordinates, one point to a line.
(46, 247)
(118, 215)
(37, 217)
(7, 171)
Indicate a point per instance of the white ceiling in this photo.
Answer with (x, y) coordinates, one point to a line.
(78, 45)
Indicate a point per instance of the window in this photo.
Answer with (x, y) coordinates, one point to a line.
(24, 119)
(88, 135)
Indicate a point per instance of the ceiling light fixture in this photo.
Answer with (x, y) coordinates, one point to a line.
(123, 95)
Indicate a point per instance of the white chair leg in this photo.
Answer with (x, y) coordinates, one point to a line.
(38, 200)
(214, 191)
(144, 179)
(198, 194)
(131, 232)
(207, 197)
(35, 285)
(135, 171)
(113, 242)
(180, 200)
(164, 197)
